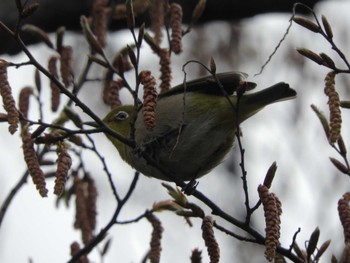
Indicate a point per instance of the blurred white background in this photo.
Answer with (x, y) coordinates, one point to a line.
(289, 133)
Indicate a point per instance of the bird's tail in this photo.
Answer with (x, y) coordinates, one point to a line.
(254, 102)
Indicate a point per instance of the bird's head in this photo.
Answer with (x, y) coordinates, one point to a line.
(119, 120)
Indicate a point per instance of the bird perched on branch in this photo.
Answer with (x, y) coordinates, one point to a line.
(195, 125)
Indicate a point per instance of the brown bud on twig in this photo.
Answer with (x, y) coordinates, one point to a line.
(177, 194)
(64, 162)
(270, 175)
(74, 249)
(334, 259)
(38, 33)
(212, 65)
(156, 12)
(89, 35)
(165, 70)
(37, 80)
(120, 63)
(32, 162)
(310, 55)
(132, 56)
(327, 27)
(155, 244)
(339, 165)
(342, 147)
(322, 119)
(209, 239)
(176, 30)
(300, 253)
(198, 10)
(7, 98)
(73, 116)
(307, 23)
(152, 43)
(344, 215)
(335, 119)
(272, 212)
(327, 60)
(168, 205)
(66, 65)
(312, 244)
(59, 38)
(322, 249)
(130, 17)
(196, 256)
(23, 102)
(97, 60)
(99, 20)
(345, 104)
(28, 10)
(149, 99)
(55, 91)
(140, 35)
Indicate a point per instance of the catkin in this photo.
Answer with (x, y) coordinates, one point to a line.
(81, 216)
(66, 65)
(196, 256)
(272, 212)
(165, 70)
(111, 90)
(149, 99)
(86, 197)
(346, 253)
(55, 91)
(157, 19)
(91, 202)
(155, 244)
(344, 215)
(176, 30)
(334, 108)
(32, 162)
(64, 162)
(74, 249)
(209, 239)
(99, 20)
(23, 102)
(7, 98)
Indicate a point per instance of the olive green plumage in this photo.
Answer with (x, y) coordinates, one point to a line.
(195, 125)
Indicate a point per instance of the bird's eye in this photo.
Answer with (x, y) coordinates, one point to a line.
(121, 115)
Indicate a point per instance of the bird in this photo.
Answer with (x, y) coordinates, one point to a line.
(196, 125)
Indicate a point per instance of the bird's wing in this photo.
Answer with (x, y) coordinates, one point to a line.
(208, 84)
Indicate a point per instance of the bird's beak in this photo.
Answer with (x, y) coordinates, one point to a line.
(91, 123)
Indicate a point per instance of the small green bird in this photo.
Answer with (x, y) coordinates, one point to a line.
(195, 127)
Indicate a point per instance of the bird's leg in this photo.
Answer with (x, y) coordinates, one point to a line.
(190, 186)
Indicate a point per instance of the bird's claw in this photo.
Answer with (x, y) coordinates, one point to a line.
(189, 188)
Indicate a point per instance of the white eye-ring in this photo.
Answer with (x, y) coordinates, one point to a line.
(121, 115)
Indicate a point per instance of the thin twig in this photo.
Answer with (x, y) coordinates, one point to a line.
(5, 205)
(100, 236)
(105, 168)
